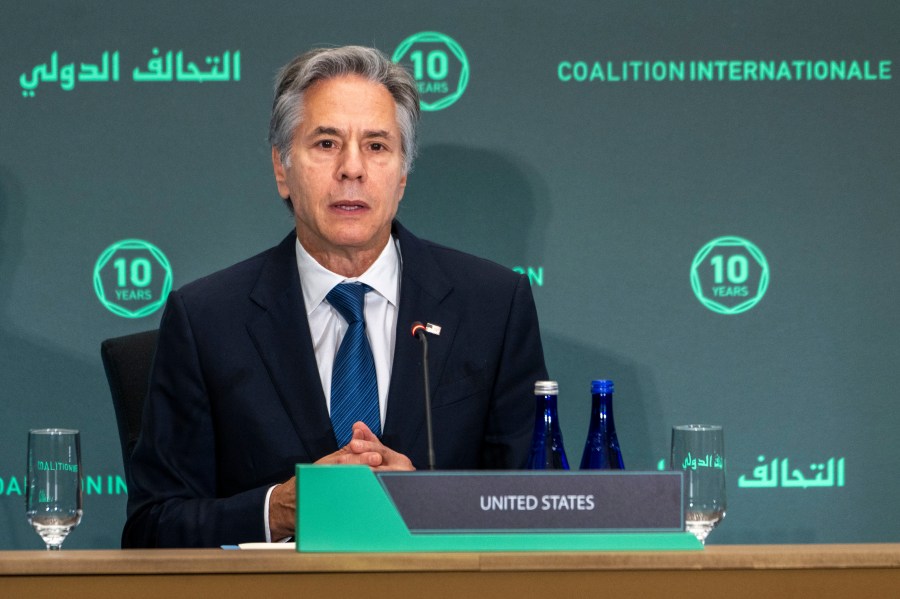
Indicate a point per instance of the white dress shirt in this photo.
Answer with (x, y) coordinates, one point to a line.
(327, 326)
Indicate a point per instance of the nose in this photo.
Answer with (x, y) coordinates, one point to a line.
(352, 165)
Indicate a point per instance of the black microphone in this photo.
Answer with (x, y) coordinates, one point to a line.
(418, 330)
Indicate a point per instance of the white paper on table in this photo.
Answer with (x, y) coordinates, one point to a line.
(292, 546)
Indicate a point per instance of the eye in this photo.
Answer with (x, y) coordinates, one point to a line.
(376, 147)
(326, 144)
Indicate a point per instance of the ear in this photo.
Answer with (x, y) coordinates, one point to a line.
(280, 174)
(402, 187)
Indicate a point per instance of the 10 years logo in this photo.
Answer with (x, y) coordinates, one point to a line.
(132, 278)
(439, 66)
(729, 275)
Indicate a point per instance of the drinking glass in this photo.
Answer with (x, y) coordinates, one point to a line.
(53, 483)
(698, 450)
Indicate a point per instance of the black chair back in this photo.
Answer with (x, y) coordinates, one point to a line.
(127, 361)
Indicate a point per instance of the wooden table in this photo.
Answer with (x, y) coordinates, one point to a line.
(766, 571)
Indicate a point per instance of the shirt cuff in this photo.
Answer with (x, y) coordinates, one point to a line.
(266, 514)
(266, 520)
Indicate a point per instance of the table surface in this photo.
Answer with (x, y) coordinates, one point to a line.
(213, 561)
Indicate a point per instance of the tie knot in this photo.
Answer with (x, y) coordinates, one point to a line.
(348, 299)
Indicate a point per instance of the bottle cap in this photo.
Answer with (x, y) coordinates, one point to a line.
(546, 388)
(602, 386)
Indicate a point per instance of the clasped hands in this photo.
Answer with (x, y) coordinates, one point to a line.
(364, 448)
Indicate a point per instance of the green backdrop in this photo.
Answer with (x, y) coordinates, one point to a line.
(704, 195)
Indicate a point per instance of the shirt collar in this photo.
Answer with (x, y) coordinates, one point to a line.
(383, 276)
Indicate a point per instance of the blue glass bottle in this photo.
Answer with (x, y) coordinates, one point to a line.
(601, 450)
(547, 450)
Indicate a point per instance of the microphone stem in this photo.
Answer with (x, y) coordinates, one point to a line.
(428, 427)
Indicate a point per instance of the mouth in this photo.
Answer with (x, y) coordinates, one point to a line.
(349, 206)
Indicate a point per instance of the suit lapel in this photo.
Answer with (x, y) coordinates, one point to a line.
(282, 338)
(423, 289)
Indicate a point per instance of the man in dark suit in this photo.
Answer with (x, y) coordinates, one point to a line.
(246, 378)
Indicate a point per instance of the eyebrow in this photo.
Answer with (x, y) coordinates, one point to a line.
(367, 134)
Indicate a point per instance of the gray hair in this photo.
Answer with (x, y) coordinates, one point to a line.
(327, 63)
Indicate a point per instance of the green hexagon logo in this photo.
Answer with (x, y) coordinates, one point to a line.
(132, 278)
(729, 275)
(439, 66)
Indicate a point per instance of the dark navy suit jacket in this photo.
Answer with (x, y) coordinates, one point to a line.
(236, 401)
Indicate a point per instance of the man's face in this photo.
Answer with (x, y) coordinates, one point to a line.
(346, 176)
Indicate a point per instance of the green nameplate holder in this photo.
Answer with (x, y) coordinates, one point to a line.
(353, 509)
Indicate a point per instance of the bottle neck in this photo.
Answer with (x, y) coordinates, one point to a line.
(602, 411)
(546, 415)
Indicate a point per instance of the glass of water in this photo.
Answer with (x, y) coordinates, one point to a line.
(698, 450)
(53, 483)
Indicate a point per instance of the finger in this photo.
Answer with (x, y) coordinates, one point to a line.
(369, 458)
(360, 446)
(398, 463)
(368, 454)
(394, 460)
(390, 459)
(363, 432)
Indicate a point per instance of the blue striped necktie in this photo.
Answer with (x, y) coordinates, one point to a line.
(354, 388)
